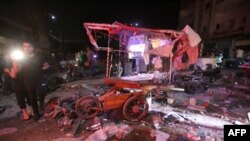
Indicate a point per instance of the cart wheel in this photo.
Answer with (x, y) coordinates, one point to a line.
(135, 108)
(87, 107)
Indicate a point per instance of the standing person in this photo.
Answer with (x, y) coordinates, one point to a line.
(89, 61)
(77, 56)
(240, 56)
(33, 77)
(5, 78)
(82, 58)
(81, 61)
(17, 83)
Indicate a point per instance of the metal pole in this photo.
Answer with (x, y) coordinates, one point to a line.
(119, 52)
(107, 66)
(170, 69)
(110, 66)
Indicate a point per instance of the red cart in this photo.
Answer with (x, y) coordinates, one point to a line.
(130, 96)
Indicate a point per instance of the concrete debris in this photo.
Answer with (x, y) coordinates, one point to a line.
(191, 117)
(160, 136)
(120, 130)
(228, 101)
(65, 122)
(93, 124)
(196, 108)
(210, 121)
(209, 138)
(170, 101)
(241, 123)
(170, 118)
(175, 115)
(192, 101)
(155, 120)
(242, 112)
(193, 137)
(225, 111)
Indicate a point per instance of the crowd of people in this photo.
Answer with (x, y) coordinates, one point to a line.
(27, 76)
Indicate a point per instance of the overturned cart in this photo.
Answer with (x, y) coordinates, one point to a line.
(127, 95)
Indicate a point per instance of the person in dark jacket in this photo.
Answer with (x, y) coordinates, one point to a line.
(32, 69)
(17, 83)
(5, 62)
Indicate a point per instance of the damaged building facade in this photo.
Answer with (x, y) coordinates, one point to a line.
(29, 23)
(224, 25)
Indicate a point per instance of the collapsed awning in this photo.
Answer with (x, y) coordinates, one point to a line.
(116, 28)
(163, 51)
(188, 37)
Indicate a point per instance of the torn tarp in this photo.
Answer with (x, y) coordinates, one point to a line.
(193, 37)
(186, 54)
(163, 51)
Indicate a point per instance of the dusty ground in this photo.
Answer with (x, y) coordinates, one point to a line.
(44, 130)
(29, 130)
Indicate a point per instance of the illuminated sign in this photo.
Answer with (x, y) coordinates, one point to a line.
(159, 42)
(136, 46)
(136, 50)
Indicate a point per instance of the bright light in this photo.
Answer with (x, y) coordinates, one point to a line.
(17, 55)
(53, 17)
(136, 24)
(136, 50)
(95, 56)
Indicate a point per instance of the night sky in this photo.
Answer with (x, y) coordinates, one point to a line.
(71, 14)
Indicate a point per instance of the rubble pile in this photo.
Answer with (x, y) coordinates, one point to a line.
(184, 116)
(172, 115)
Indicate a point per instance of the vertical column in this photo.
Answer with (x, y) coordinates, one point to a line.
(211, 18)
(107, 66)
(170, 68)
